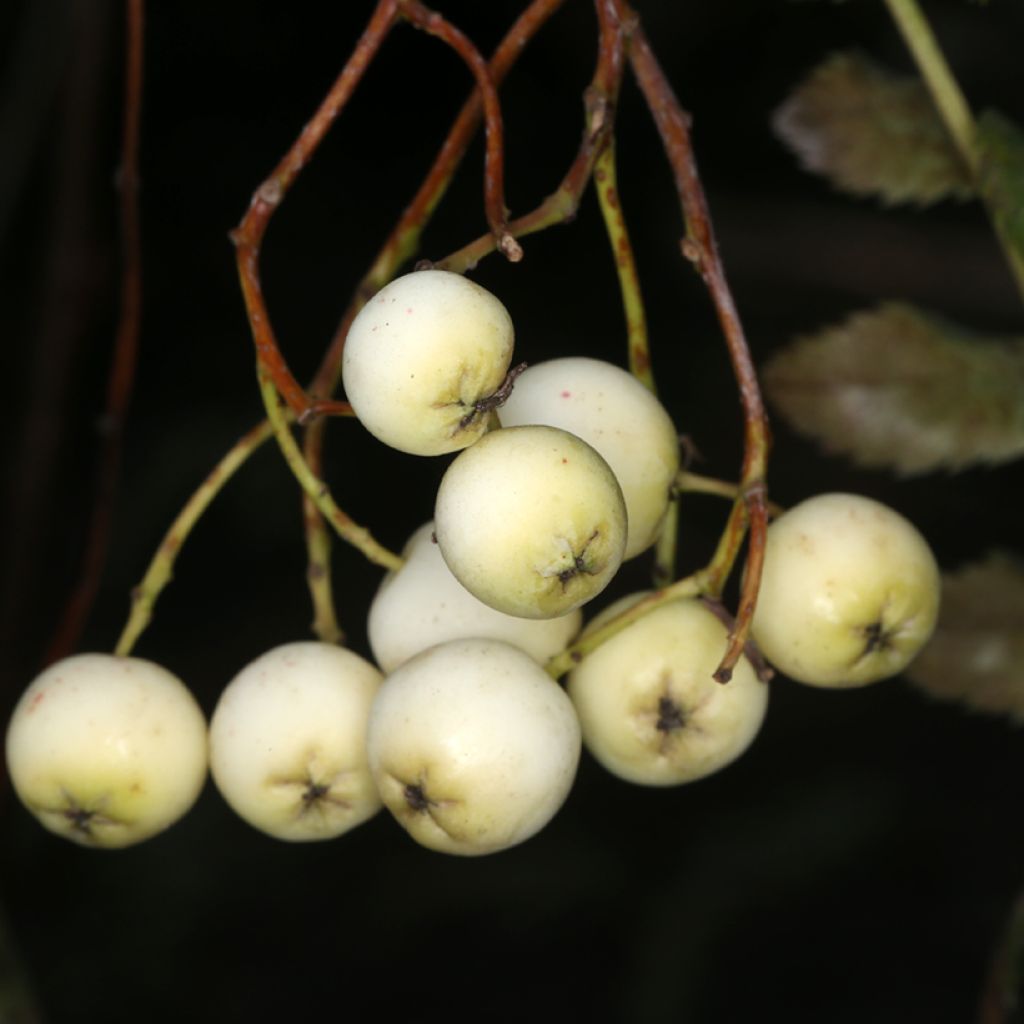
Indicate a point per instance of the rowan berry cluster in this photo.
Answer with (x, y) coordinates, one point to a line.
(564, 470)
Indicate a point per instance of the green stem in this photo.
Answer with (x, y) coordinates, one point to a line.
(694, 483)
(664, 570)
(607, 187)
(945, 91)
(349, 531)
(954, 111)
(690, 586)
(161, 568)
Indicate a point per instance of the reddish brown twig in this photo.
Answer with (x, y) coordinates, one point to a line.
(400, 245)
(248, 236)
(699, 246)
(126, 345)
(494, 133)
(403, 242)
(599, 101)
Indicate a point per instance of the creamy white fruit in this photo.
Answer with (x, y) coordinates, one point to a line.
(614, 413)
(423, 604)
(107, 751)
(473, 746)
(649, 707)
(288, 741)
(531, 520)
(423, 357)
(849, 593)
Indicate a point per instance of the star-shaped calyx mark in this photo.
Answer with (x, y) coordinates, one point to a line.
(579, 565)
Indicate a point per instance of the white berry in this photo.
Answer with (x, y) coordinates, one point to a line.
(473, 746)
(288, 741)
(614, 413)
(423, 604)
(531, 520)
(107, 751)
(849, 592)
(422, 358)
(650, 709)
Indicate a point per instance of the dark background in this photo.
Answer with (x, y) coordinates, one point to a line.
(857, 864)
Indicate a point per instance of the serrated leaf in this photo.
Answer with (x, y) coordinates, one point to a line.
(872, 132)
(976, 655)
(1001, 177)
(904, 390)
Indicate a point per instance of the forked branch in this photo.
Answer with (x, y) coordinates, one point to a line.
(494, 162)
(248, 236)
(600, 99)
(699, 246)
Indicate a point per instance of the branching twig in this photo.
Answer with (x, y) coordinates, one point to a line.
(691, 586)
(248, 236)
(400, 245)
(403, 242)
(694, 483)
(345, 527)
(494, 162)
(126, 344)
(700, 248)
(599, 101)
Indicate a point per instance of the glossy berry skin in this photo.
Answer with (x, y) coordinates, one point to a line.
(473, 747)
(849, 593)
(288, 741)
(531, 520)
(107, 751)
(650, 709)
(423, 357)
(423, 604)
(620, 418)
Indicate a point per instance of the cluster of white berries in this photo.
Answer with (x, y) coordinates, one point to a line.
(457, 729)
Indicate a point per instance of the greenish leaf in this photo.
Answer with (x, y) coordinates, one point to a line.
(904, 390)
(976, 655)
(872, 132)
(1001, 177)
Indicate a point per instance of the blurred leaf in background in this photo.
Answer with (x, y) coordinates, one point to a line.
(976, 655)
(902, 389)
(872, 132)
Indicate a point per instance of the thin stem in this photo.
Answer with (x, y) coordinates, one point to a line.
(318, 575)
(607, 188)
(664, 570)
(126, 346)
(318, 545)
(161, 567)
(400, 245)
(248, 236)
(688, 482)
(954, 111)
(403, 242)
(349, 531)
(599, 100)
(700, 247)
(433, 23)
(945, 92)
(690, 586)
